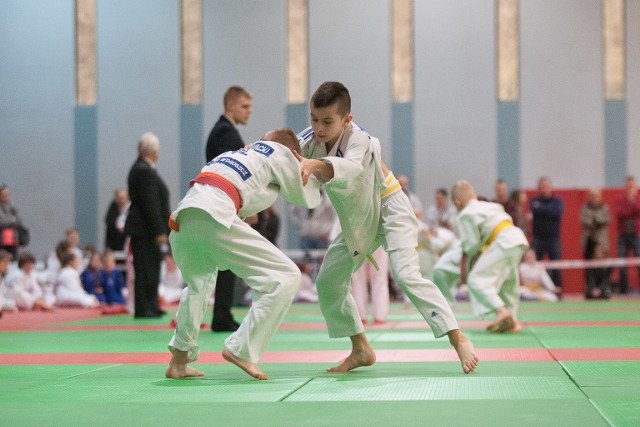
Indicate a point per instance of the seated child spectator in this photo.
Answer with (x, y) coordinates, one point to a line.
(171, 281)
(535, 283)
(22, 286)
(598, 279)
(69, 291)
(6, 304)
(113, 285)
(54, 261)
(307, 291)
(90, 278)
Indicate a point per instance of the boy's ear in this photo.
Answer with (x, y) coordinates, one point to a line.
(347, 119)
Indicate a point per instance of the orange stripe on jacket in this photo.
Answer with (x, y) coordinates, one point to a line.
(215, 180)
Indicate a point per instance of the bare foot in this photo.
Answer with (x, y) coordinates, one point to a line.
(178, 367)
(357, 358)
(516, 328)
(465, 349)
(250, 368)
(503, 322)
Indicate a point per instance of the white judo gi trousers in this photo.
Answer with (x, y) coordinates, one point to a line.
(398, 233)
(201, 248)
(446, 273)
(493, 280)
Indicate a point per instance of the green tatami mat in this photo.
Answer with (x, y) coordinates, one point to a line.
(534, 392)
(459, 388)
(584, 337)
(283, 340)
(391, 339)
(521, 413)
(604, 373)
(619, 412)
(387, 394)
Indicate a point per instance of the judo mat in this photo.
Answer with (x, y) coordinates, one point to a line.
(576, 363)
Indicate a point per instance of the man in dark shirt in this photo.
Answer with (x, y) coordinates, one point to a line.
(225, 137)
(502, 197)
(547, 211)
(147, 224)
(628, 214)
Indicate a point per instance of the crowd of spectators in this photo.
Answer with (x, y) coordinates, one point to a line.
(71, 276)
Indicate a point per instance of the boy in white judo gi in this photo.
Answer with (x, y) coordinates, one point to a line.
(487, 233)
(209, 235)
(373, 210)
(446, 272)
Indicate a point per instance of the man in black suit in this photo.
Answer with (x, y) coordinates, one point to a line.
(147, 225)
(225, 137)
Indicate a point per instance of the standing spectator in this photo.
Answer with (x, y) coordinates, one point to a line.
(547, 211)
(115, 220)
(522, 216)
(502, 196)
(442, 213)
(413, 197)
(599, 279)
(72, 235)
(595, 218)
(628, 213)
(147, 224)
(10, 224)
(225, 137)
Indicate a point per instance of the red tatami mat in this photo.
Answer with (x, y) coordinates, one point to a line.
(332, 356)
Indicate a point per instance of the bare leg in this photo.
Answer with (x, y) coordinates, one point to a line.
(250, 368)
(361, 355)
(178, 366)
(504, 321)
(465, 349)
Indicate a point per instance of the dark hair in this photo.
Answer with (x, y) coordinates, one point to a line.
(442, 191)
(5, 255)
(330, 93)
(26, 258)
(67, 259)
(62, 248)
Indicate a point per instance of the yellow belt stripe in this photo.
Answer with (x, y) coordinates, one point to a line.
(504, 224)
(390, 190)
(390, 178)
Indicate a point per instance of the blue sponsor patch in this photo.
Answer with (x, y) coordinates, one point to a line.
(263, 148)
(241, 169)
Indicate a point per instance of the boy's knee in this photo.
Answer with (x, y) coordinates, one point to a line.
(291, 284)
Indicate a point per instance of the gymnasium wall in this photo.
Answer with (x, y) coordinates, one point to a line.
(456, 120)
